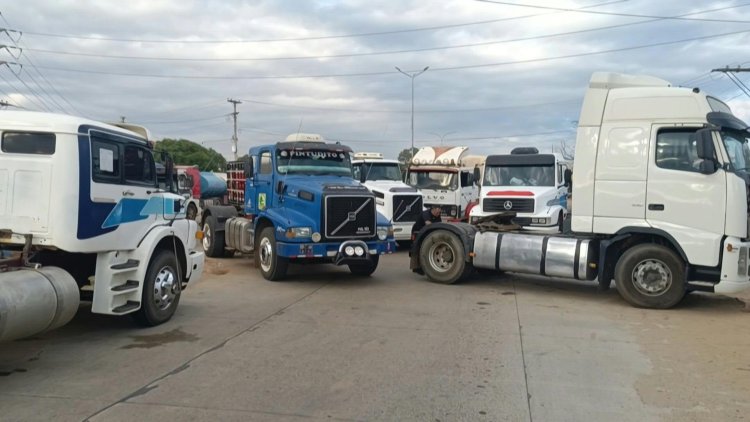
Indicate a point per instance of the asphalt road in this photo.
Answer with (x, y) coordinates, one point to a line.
(328, 346)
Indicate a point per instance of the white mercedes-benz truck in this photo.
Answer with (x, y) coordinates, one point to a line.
(528, 183)
(661, 202)
(397, 201)
(83, 217)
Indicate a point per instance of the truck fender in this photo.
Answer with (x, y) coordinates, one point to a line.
(286, 217)
(464, 231)
(221, 212)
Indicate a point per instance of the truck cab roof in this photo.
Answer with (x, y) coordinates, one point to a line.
(58, 123)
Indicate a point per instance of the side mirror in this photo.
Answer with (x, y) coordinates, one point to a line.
(168, 171)
(568, 177)
(249, 170)
(708, 166)
(704, 143)
(362, 175)
(477, 176)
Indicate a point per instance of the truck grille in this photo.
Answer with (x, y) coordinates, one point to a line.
(350, 217)
(508, 204)
(406, 208)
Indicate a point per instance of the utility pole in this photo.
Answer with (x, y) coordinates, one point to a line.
(730, 72)
(234, 118)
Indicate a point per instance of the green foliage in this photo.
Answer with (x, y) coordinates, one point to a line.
(188, 153)
(404, 156)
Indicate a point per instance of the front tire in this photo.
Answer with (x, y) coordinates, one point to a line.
(162, 289)
(365, 268)
(271, 265)
(441, 256)
(651, 276)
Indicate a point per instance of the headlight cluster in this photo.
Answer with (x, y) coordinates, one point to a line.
(293, 232)
(384, 232)
(540, 221)
(354, 250)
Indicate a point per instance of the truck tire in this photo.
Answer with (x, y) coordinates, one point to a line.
(365, 268)
(272, 266)
(213, 240)
(162, 289)
(441, 255)
(651, 276)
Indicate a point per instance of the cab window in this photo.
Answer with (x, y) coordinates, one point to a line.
(676, 151)
(28, 143)
(266, 167)
(138, 166)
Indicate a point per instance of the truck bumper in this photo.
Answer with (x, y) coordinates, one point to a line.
(331, 250)
(735, 273)
(547, 220)
(195, 263)
(402, 231)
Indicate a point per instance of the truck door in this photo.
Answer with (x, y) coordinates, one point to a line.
(688, 205)
(263, 182)
(124, 174)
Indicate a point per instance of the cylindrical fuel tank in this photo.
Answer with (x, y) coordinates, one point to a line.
(36, 300)
(553, 256)
(212, 186)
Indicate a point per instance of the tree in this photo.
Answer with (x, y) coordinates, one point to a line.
(568, 152)
(188, 153)
(405, 156)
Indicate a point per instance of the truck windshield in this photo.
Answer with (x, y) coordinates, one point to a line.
(378, 171)
(519, 176)
(736, 144)
(432, 179)
(313, 162)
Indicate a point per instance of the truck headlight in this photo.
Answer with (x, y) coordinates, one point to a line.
(293, 232)
(454, 211)
(383, 232)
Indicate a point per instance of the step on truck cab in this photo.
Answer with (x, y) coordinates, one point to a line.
(296, 202)
(397, 201)
(661, 201)
(528, 183)
(82, 217)
(444, 178)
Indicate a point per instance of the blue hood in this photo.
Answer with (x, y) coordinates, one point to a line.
(318, 184)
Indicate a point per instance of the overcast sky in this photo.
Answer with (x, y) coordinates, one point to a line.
(496, 77)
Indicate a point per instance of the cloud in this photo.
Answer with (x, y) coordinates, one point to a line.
(369, 112)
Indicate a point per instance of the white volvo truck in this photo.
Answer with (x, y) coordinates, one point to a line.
(445, 177)
(397, 201)
(82, 217)
(661, 202)
(530, 184)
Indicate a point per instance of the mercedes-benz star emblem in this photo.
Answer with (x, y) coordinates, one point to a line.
(508, 205)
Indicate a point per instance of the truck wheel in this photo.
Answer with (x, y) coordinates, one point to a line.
(213, 240)
(191, 212)
(651, 276)
(161, 290)
(365, 268)
(272, 266)
(442, 257)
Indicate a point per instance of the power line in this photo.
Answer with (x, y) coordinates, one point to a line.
(377, 53)
(423, 111)
(322, 37)
(380, 73)
(463, 139)
(183, 121)
(30, 99)
(596, 12)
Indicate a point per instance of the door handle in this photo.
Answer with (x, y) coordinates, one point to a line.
(127, 193)
(656, 207)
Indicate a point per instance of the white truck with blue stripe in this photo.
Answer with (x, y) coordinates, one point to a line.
(83, 217)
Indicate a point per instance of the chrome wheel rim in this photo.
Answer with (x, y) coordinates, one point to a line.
(166, 288)
(266, 254)
(207, 237)
(652, 277)
(442, 257)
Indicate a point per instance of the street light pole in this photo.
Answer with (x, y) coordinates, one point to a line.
(412, 75)
(442, 137)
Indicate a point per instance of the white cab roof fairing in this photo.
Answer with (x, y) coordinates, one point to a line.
(374, 161)
(53, 122)
(612, 80)
(305, 137)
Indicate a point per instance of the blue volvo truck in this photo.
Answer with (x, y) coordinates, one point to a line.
(296, 202)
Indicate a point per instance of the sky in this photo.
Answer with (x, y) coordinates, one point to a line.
(500, 75)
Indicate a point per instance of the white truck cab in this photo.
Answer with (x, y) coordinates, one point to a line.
(397, 201)
(443, 178)
(528, 183)
(82, 216)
